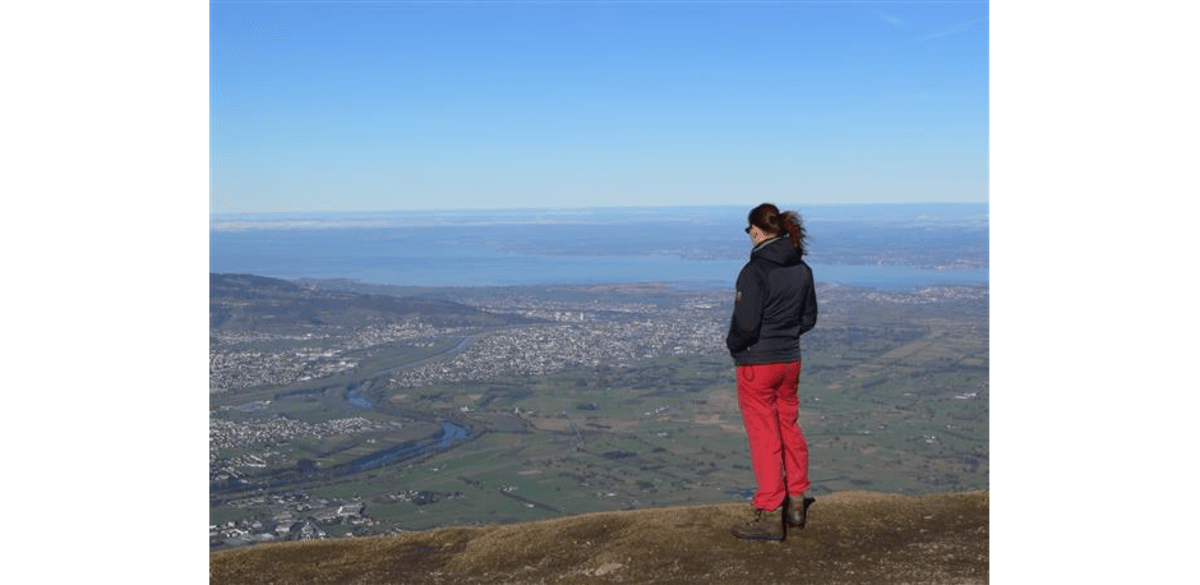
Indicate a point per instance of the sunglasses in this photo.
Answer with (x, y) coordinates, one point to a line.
(748, 228)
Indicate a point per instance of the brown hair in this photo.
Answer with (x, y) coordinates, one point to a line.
(773, 222)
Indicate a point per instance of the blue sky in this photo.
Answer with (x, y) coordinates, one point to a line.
(116, 157)
(351, 106)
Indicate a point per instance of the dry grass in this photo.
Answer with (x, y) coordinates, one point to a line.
(852, 537)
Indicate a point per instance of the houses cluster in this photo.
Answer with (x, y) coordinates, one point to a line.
(231, 368)
(542, 349)
(226, 434)
(572, 332)
(292, 517)
(929, 294)
(246, 369)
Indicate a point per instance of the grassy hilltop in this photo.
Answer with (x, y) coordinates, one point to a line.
(852, 537)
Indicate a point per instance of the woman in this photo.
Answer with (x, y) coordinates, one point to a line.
(775, 305)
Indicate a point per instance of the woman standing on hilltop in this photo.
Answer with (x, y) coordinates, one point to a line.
(775, 304)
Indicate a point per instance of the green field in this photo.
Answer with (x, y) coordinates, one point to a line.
(893, 399)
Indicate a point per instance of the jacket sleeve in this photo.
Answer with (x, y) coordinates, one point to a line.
(808, 309)
(747, 311)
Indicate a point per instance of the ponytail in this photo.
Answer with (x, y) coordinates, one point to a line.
(770, 220)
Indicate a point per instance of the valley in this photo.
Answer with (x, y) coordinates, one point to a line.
(481, 405)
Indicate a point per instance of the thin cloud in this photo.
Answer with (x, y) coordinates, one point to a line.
(892, 19)
(954, 29)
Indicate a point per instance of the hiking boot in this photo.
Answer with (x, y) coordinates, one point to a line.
(796, 516)
(765, 525)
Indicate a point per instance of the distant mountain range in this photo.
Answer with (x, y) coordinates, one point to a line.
(249, 302)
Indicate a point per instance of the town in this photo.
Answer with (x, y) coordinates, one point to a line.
(272, 411)
(573, 334)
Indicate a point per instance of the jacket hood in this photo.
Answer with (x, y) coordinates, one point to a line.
(779, 251)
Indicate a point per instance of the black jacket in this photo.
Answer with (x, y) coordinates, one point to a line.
(776, 304)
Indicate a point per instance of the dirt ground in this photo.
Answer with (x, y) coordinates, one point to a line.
(851, 537)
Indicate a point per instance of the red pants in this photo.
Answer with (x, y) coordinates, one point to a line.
(770, 404)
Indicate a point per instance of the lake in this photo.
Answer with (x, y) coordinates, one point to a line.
(692, 247)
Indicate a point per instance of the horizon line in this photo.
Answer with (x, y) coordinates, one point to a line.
(569, 208)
